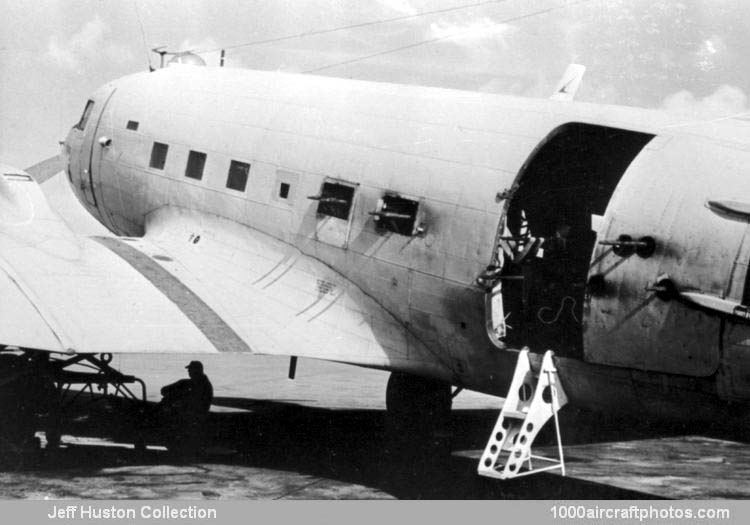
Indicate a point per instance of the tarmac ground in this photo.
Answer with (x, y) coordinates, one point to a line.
(322, 436)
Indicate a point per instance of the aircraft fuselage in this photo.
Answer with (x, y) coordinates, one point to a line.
(412, 193)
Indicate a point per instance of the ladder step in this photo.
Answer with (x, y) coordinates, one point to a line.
(508, 452)
(515, 414)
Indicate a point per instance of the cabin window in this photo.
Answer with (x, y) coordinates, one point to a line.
(132, 125)
(158, 156)
(397, 214)
(195, 164)
(335, 200)
(85, 116)
(237, 178)
(285, 186)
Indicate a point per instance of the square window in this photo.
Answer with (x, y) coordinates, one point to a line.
(158, 156)
(285, 187)
(397, 214)
(195, 164)
(132, 125)
(284, 190)
(335, 200)
(237, 179)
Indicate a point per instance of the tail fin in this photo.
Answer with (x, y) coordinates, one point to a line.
(569, 83)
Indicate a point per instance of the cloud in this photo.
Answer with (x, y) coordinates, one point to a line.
(85, 46)
(484, 29)
(726, 100)
(709, 52)
(401, 6)
(207, 43)
(206, 48)
(71, 53)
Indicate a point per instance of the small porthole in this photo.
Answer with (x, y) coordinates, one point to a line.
(284, 190)
(132, 125)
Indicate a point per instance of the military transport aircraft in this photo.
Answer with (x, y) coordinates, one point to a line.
(429, 232)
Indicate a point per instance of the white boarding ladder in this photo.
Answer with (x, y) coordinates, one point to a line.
(526, 409)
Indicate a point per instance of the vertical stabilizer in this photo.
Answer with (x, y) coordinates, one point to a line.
(569, 83)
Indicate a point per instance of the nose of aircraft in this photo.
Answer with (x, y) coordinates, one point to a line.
(71, 149)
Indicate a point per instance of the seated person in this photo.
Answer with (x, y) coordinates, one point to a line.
(185, 405)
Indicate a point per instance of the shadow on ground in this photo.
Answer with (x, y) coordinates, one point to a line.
(348, 446)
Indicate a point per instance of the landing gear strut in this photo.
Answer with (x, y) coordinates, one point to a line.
(418, 415)
(99, 382)
(35, 393)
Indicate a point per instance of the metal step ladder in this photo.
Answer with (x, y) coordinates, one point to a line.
(531, 402)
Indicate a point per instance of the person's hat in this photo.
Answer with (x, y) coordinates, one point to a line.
(197, 365)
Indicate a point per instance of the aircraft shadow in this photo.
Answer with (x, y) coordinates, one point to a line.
(348, 446)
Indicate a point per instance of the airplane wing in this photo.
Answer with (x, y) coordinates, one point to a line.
(194, 283)
(66, 293)
(263, 295)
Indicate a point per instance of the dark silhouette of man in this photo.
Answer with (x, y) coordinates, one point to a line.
(558, 297)
(185, 405)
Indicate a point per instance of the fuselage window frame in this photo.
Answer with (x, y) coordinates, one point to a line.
(336, 200)
(159, 152)
(196, 163)
(237, 175)
(398, 214)
(284, 188)
(87, 110)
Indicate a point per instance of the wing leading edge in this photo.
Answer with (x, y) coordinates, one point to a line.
(66, 293)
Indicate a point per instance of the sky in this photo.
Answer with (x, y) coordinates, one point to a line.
(682, 56)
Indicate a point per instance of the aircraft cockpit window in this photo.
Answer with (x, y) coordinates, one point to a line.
(397, 214)
(237, 178)
(158, 156)
(195, 164)
(132, 125)
(335, 200)
(86, 114)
